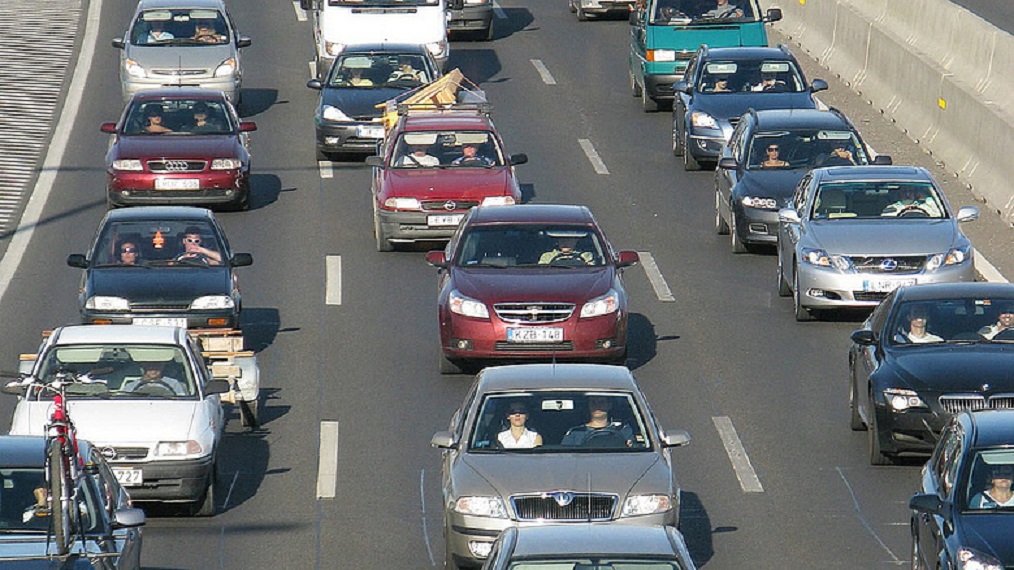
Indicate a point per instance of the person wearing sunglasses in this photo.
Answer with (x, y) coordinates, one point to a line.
(772, 160)
(195, 251)
(128, 253)
(518, 436)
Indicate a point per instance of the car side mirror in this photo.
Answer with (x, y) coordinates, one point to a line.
(627, 258)
(968, 214)
(864, 337)
(108, 128)
(818, 85)
(315, 84)
(682, 87)
(788, 216)
(15, 388)
(442, 440)
(377, 161)
(217, 386)
(677, 438)
(118, 43)
(773, 15)
(243, 41)
(883, 160)
(928, 503)
(437, 258)
(128, 518)
(519, 158)
(728, 163)
(242, 260)
(77, 260)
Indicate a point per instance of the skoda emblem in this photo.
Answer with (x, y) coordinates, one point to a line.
(562, 498)
(176, 165)
(889, 264)
(450, 205)
(109, 453)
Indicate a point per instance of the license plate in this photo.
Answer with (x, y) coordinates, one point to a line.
(535, 334)
(128, 477)
(451, 220)
(885, 285)
(370, 132)
(177, 184)
(161, 321)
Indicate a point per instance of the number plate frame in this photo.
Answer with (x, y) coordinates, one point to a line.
(129, 476)
(177, 184)
(535, 335)
(161, 321)
(449, 220)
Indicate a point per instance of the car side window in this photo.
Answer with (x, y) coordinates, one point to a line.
(879, 315)
(946, 467)
(799, 198)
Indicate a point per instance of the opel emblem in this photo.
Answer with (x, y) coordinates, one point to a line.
(176, 165)
(109, 453)
(563, 498)
(533, 310)
(888, 264)
(450, 205)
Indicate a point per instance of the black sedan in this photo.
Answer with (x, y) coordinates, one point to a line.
(160, 265)
(963, 514)
(347, 118)
(926, 353)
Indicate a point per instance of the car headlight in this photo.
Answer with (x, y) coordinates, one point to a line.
(226, 164)
(437, 49)
(955, 256)
(481, 507)
(102, 303)
(134, 69)
(901, 399)
(226, 68)
(211, 302)
(759, 202)
(637, 505)
(703, 120)
(974, 560)
(334, 48)
(131, 164)
(661, 55)
(498, 201)
(467, 306)
(602, 305)
(403, 203)
(178, 448)
(331, 113)
(821, 258)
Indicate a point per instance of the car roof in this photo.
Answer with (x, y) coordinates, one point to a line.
(117, 334)
(160, 213)
(22, 451)
(179, 4)
(992, 428)
(873, 173)
(747, 53)
(556, 376)
(800, 118)
(932, 291)
(469, 120)
(592, 539)
(176, 93)
(383, 47)
(533, 214)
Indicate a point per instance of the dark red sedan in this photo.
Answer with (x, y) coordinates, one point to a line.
(179, 146)
(530, 282)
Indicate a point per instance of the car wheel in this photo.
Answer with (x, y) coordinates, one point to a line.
(249, 414)
(677, 141)
(855, 420)
(877, 456)
(383, 245)
(206, 506)
(648, 105)
(783, 286)
(635, 89)
(690, 163)
(735, 244)
(582, 16)
(916, 554)
(721, 228)
(802, 313)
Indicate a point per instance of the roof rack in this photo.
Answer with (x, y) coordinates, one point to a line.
(452, 92)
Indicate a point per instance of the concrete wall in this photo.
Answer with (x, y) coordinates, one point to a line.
(943, 74)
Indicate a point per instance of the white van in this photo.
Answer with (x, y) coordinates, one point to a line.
(338, 24)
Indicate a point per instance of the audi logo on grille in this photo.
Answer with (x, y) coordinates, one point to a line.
(176, 165)
(562, 498)
(889, 264)
(109, 453)
(450, 205)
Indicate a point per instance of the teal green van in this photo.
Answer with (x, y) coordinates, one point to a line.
(665, 34)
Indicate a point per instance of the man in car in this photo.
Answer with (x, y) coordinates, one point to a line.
(1004, 321)
(202, 123)
(600, 427)
(418, 157)
(912, 200)
(723, 9)
(153, 377)
(205, 33)
(770, 83)
(128, 253)
(470, 156)
(566, 250)
(194, 251)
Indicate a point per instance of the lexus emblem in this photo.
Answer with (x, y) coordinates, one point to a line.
(109, 453)
(888, 264)
(450, 205)
(562, 498)
(176, 165)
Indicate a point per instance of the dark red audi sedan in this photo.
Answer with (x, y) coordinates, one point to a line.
(529, 282)
(179, 146)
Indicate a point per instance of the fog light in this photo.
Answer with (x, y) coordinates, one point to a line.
(125, 192)
(758, 228)
(605, 343)
(463, 344)
(815, 293)
(479, 549)
(331, 140)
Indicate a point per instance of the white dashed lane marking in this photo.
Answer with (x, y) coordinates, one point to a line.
(333, 280)
(544, 73)
(593, 156)
(655, 277)
(737, 455)
(327, 458)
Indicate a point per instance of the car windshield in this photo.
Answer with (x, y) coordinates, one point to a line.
(750, 76)
(447, 149)
(138, 371)
(809, 148)
(952, 320)
(157, 243)
(176, 27)
(179, 117)
(880, 200)
(704, 12)
(560, 421)
(559, 562)
(531, 245)
(989, 481)
(366, 71)
(24, 502)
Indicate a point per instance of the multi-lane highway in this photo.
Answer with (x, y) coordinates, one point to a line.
(357, 348)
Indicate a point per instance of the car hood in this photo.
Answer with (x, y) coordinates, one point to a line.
(950, 367)
(119, 422)
(988, 533)
(175, 146)
(778, 184)
(359, 101)
(205, 56)
(159, 285)
(553, 285)
(512, 473)
(844, 236)
(446, 183)
(731, 105)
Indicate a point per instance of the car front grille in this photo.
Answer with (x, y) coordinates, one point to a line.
(889, 264)
(534, 313)
(448, 205)
(504, 346)
(158, 307)
(177, 165)
(955, 403)
(128, 453)
(179, 72)
(576, 507)
(869, 296)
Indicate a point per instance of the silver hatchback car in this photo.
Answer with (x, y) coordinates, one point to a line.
(853, 234)
(553, 443)
(181, 43)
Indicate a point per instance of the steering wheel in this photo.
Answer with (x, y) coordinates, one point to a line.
(154, 388)
(606, 437)
(568, 258)
(194, 257)
(913, 211)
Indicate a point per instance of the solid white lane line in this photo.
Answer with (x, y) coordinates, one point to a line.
(737, 455)
(300, 13)
(862, 517)
(987, 270)
(655, 277)
(593, 157)
(333, 280)
(422, 498)
(498, 11)
(325, 169)
(327, 457)
(544, 73)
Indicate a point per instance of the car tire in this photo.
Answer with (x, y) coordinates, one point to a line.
(690, 163)
(855, 420)
(582, 16)
(206, 506)
(736, 245)
(721, 228)
(802, 313)
(648, 105)
(383, 245)
(916, 554)
(677, 142)
(635, 89)
(877, 456)
(783, 286)
(249, 413)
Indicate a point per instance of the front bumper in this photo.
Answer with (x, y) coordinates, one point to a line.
(659, 86)
(605, 6)
(708, 147)
(755, 226)
(349, 137)
(914, 431)
(215, 187)
(171, 481)
(470, 18)
(228, 318)
(823, 287)
(414, 226)
(228, 85)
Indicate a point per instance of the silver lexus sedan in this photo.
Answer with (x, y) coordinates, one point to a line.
(851, 235)
(553, 443)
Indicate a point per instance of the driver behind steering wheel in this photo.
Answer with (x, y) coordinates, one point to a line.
(194, 250)
(913, 202)
(153, 377)
(566, 253)
(600, 427)
(723, 9)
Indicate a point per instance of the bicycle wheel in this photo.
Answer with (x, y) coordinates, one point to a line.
(59, 506)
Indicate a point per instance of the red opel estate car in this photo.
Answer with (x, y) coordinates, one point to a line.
(531, 282)
(433, 167)
(179, 146)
